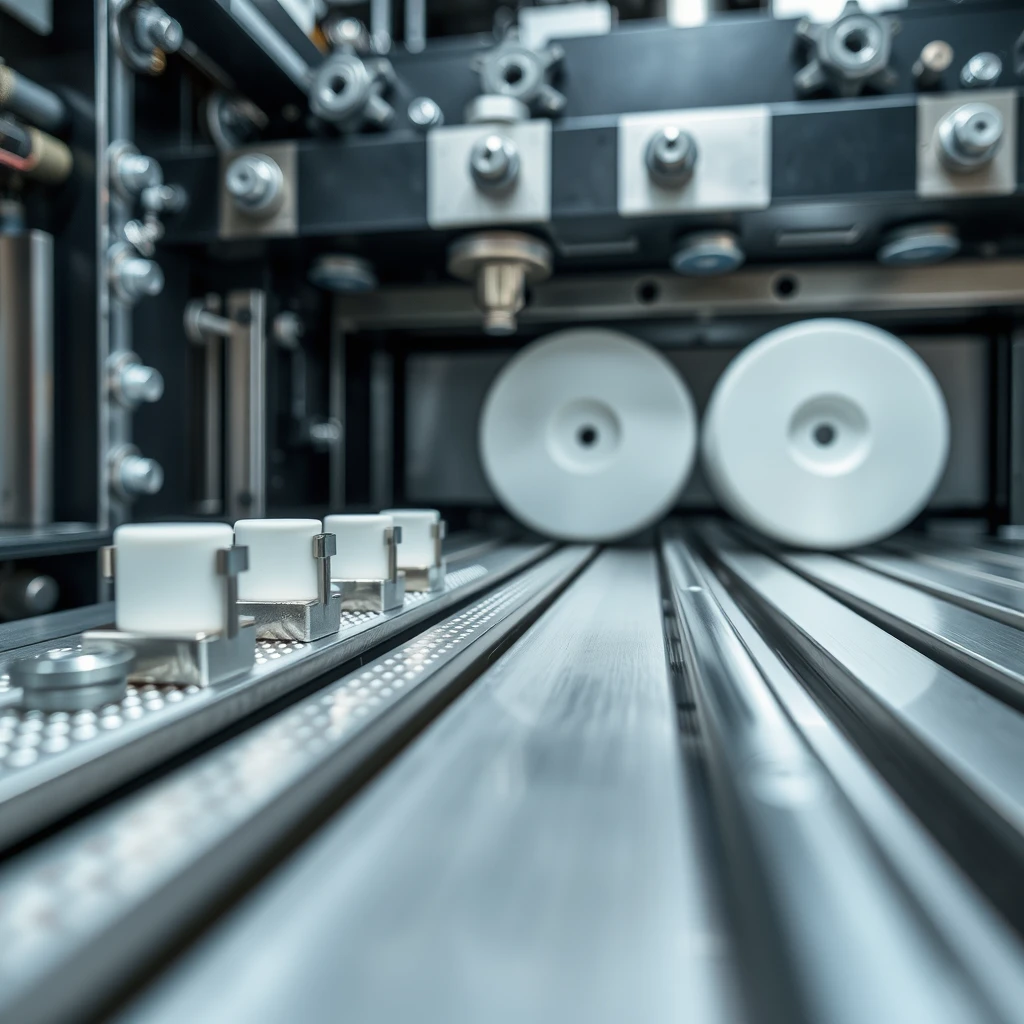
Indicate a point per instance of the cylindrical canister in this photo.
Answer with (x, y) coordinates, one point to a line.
(26, 379)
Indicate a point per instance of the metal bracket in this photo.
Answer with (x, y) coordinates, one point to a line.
(376, 595)
(230, 562)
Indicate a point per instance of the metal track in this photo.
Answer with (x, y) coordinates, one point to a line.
(533, 857)
(54, 763)
(80, 912)
(760, 786)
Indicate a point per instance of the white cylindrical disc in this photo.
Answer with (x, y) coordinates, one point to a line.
(588, 434)
(282, 566)
(826, 434)
(166, 578)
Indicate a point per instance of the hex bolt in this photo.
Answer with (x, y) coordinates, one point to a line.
(671, 157)
(134, 172)
(256, 184)
(981, 72)
(425, 113)
(140, 383)
(133, 277)
(970, 136)
(494, 163)
(155, 29)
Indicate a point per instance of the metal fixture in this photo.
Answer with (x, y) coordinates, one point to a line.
(377, 595)
(970, 136)
(27, 592)
(707, 254)
(501, 263)
(26, 379)
(132, 382)
(31, 102)
(342, 273)
(201, 659)
(143, 34)
(525, 74)
(349, 92)
(488, 109)
(77, 678)
(132, 475)
(935, 59)
(671, 156)
(425, 113)
(304, 621)
(34, 153)
(494, 163)
(919, 244)
(982, 71)
(203, 324)
(345, 33)
(255, 183)
(848, 55)
(131, 172)
(231, 121)
(132, 276)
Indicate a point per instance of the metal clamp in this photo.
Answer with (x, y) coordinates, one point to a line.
(304, 621)
(429, 578)
(200, 659)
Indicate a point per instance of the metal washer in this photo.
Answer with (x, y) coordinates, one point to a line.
(74, 679)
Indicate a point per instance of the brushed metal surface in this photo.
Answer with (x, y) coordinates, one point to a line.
(81, 911)
(800, 846)
(967, 924)
(533, 856)
(971, 644)
(953, 725)
(53, 766)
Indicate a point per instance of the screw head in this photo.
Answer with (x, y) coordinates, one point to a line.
(139, 475)
(255, 182)
(981, 71)
(671, 156)
(494, 162)
(140, 383)
(425, 113)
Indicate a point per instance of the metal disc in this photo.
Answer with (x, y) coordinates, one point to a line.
(588, 434)
(826, 434)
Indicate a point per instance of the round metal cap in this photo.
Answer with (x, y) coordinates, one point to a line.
(981, 71)
(707, 253)
(72, 679)
(343, 274)
(918, 244)
(469, 253)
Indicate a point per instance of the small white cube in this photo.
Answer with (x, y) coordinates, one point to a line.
(418, 549)
(282, 566)
(166, 579)
(362, 553)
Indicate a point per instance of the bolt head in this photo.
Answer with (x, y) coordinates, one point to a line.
(981, 71)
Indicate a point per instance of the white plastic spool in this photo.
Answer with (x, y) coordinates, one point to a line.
(826, 434)
(166, 579)
(588, 434)
(282, 566)
(362, 553)
(418, 547)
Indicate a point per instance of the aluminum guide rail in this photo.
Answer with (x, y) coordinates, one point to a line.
(533, 856)
(826, 894)
(965, 922)
(80, 911)
(54, 763)
(972, 645)
(952, 745)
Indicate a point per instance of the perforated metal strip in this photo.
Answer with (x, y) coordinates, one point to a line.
(57, 899)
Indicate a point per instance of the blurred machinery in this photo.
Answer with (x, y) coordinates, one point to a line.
(511, 513)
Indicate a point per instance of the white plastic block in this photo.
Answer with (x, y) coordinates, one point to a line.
(281, 562)
(417, 548)
(166, 579)
(362, 553)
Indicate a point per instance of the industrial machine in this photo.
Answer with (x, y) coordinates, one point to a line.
(511, 512)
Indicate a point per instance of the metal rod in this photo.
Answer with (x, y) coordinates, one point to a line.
(30, 101)
(213, 432)
(380, 25)
(246, 406)
(415, 25)
(336, 411)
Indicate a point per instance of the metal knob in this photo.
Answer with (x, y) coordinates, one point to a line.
(155, 29)
(139, 383)
(981, 72)
(73, 678)
(425, 113)
(256, 184)
(494, 163)
(671, 157)
(27, 593)
(935, 58)
(138, 475)
(970, 136)
(134, 277)
(133, 171)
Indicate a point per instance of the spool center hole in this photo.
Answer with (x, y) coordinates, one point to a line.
(513, 73)
(824, 434)
(586, 437)
(337, 85)
(855, 41)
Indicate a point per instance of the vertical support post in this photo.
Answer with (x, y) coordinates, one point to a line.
(382, 420)
(246, 405)
(336, 412)
(415, 25)
(1016, 441)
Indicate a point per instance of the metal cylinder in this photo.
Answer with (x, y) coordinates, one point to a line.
(31, 102)
(27, 592)
(26, 379)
